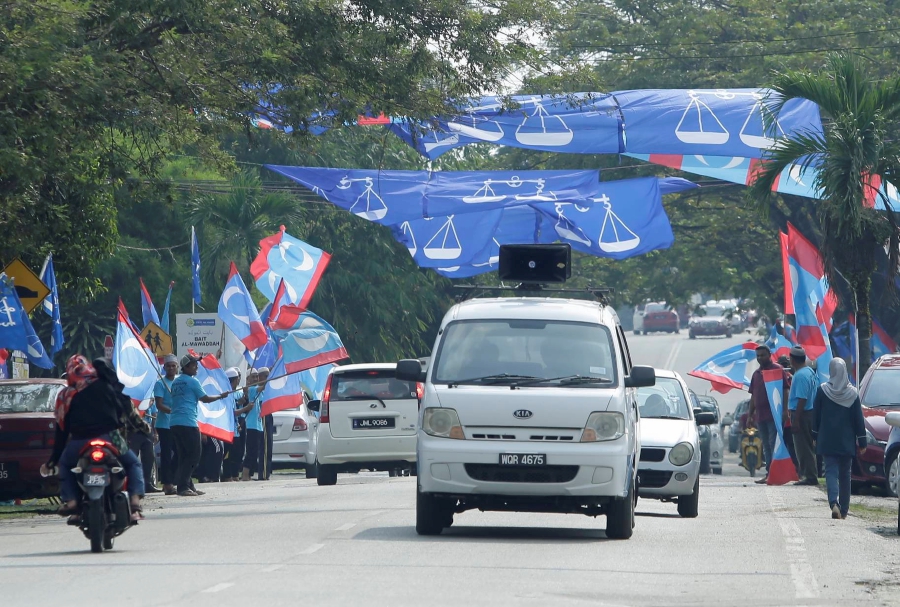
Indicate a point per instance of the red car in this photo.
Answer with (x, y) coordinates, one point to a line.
(880, 394)
(27, 431)
(657, 317)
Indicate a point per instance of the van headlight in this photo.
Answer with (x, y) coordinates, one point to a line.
(681, 454)
(603, 426)
(438, 421)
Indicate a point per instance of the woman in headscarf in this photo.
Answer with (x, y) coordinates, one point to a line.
(88, 408)
(840, 434)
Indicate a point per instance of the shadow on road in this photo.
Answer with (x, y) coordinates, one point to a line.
(507, 535)
(658, 514)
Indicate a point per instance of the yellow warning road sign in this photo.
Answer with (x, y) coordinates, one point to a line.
(29, 287)
(159, 341)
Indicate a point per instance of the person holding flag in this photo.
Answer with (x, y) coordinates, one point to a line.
(253, 394)
(760, 410)
(840, 434)
(162, 394)
(187, 394)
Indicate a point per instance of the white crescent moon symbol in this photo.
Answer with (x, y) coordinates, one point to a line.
(734, 162)
(291, 293)
(211, 414)
(701, 159)
(211, 382)
(282, 249)
(273, 281)
(129, 381)
(310, 323)
(312, 344)
(229, 293)
(796, 174)
(308, 262)
(721, 370)
(279, 384)
(776, 397)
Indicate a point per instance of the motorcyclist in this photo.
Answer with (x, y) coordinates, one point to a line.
(91, 406)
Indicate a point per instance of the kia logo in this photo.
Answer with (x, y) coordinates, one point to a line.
(522, 414)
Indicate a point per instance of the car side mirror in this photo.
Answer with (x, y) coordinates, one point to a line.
(705, 418)
(410, 370)
(313, 405)
(728, 420)
(641, 377)
(893, 419)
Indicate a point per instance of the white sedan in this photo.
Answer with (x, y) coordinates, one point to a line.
(669, 469)
(295, 442)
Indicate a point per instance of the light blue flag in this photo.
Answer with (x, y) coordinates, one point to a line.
(51, 306)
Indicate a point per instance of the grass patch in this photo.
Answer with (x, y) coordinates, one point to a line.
(28, 509)
(875, 513)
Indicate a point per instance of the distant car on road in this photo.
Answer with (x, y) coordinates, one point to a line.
(27, 433)
(712, 446)
(709, 320)
(879, 393)
(656, 317)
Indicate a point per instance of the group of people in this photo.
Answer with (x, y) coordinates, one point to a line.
(185, 453)
(822, 420)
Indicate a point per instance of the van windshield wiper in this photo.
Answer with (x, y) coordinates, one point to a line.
(565, 380)
(489, 379)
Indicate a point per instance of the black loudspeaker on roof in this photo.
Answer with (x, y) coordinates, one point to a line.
(535, 263)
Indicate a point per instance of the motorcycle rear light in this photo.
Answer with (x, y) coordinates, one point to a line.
(299, 425)
(97, 455)
(326, 398)
(97, 442)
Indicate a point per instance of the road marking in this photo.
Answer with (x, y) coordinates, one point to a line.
(673, 355)
(311, 549)
(272, 568)
(346, 527)
(218, 587)
(805, 584)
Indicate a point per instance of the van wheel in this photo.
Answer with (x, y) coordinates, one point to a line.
(431, 516)
(620, 517)
(689, 505)
(327, 475)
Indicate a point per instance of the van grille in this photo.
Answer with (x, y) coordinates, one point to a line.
(653, 455)
(537, 474)
(546, 434)
(494, 436)
(654, 479)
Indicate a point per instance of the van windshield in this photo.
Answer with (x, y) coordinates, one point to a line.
(505, 351)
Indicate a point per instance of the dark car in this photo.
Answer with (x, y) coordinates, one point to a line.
(709, 320)
(737, 426)
(880, 393)
(658, 317)
(711, 445)
(27, 432)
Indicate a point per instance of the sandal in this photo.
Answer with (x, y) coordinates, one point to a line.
(188, 493)
(137, 513)
(65, 510)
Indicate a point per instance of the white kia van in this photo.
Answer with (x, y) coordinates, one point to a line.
(529, 405)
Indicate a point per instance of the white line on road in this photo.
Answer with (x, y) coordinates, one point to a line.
(218, 587)
(311, 549)
(272, 568)
(346, 526)
(805, 584)
(673, 355)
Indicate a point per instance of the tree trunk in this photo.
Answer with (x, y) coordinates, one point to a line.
(863, 326)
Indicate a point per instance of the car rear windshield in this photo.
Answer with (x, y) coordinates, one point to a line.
(356, 385)
(655, 308)
(475, 349)
(28, 398)
(883, 388)
(663, 400)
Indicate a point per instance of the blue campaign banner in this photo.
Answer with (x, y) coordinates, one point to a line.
(447, 241)
(718, 122)
(575, 123)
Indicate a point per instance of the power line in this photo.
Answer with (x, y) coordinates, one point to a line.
(619, 58)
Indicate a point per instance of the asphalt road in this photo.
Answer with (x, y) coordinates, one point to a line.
(290, 542)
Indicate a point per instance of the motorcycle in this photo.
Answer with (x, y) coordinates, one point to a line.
(105, 507)
(751, 451)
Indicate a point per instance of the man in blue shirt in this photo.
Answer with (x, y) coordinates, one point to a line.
(253, 394)
(800, 405)
(187, 393)
(162, 394)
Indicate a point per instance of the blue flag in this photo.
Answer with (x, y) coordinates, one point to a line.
(51, 306)
(195, 266)
(136, 367)
(16, 331)
(148, 310)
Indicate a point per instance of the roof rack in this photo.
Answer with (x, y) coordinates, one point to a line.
(470, 291)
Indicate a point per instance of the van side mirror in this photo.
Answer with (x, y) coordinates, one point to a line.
(705, 419)
(641, 377)
(313, 405)
(410, 370)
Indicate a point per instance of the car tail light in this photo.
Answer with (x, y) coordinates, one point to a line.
(49, 439)
(299, 425)
(97, 455)
(326, 398)
(420, 392)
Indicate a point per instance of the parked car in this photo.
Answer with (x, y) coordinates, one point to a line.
(656, 317)
(712, 446)
(294, 442)
(880, 393)
(367, 420)
(737, 426)
(709, 320)
(27, 433)
(669, 468)
(731, 312)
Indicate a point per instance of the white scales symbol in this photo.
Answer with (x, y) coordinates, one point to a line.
(484, 129)
(443, 245)
(544, 137)
(752, 132)
(375, 207)
(486, 192)
(624, 239)
(8, 311)
(477, 127)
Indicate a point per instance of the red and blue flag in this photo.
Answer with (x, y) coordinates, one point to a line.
(781, 469)
(135, 364)
(299, 264)
(147, 308)
(814, 301)
(778, 344)
(311, 342)
(727, 370)
(239, 313)
(282, 392)
(314, 380)
(215, 419)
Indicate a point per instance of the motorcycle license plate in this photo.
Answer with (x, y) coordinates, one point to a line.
(95, 480)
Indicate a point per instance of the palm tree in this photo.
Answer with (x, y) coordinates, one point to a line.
(230, 225)
(857, 151)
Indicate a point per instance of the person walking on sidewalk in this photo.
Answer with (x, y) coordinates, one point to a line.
(760, 411)
(840, 434)
(800, 402)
